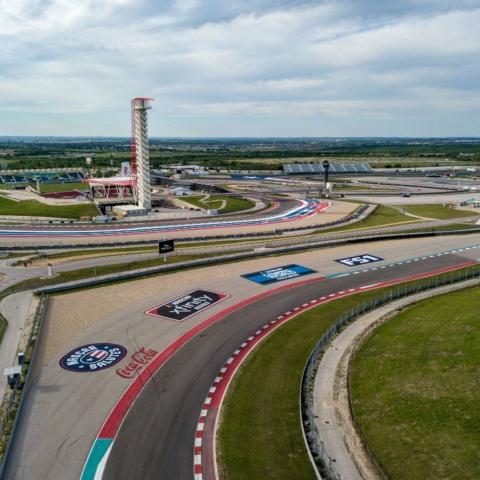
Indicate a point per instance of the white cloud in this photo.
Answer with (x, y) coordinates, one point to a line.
(272, 59)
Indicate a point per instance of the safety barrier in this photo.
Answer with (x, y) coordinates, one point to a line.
(354, 216)
(372, 234)
(323, 462)
(232, 257)
(14, 399)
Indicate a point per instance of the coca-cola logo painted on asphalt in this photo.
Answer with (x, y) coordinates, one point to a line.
(138, 360)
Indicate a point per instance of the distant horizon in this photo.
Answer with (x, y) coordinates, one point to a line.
(306, 137)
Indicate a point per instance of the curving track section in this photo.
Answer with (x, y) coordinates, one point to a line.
(156, 438)
(303, 209)
(153, 430)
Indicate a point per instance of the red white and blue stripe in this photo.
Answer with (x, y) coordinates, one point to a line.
(307, 208)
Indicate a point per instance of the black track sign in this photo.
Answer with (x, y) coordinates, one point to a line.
(166, 246)
(187, 305)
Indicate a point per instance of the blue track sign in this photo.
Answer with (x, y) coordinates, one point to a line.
(278, 274)
(359, 260)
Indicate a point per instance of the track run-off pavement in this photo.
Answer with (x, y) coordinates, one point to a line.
(171, 398)
(152, 430)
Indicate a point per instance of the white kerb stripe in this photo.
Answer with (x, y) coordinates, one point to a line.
(102, 464)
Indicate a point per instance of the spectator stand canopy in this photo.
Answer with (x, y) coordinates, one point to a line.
(113, 187)
(317, 168)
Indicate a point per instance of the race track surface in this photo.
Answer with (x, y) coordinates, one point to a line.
(64, 411)
(156, 438)
(286, 211)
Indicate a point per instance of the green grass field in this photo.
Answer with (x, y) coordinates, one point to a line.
(415, 390)
(61, 187)
(233, 204)
(438, 212)
(380, 217)
(260, 434)
(356, 186)
(37, 209)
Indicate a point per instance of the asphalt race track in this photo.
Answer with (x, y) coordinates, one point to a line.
(156, 438)
(63, 411)
(285, 211)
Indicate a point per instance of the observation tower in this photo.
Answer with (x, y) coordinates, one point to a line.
(140, 156)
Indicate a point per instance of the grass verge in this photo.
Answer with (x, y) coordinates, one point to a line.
(33, 208)
(233, 204)
(260, 434)
(415, 389)
(92, 272)
(439, 212)
(104, 252)
(382, 216)
(60, 187)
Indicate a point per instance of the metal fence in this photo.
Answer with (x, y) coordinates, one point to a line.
(14, 398)
(324, 463)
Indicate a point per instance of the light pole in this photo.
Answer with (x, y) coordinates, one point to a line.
(326, 167)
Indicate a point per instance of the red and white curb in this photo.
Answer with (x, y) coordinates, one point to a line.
(204, 458)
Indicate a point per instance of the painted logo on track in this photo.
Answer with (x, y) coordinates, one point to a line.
(138, 360)
(278, 274)
(359, 260)
(93, 357)
(187, 305)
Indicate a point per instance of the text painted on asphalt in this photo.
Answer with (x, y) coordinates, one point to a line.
(187, 305)
(278, 274)
(359, 260)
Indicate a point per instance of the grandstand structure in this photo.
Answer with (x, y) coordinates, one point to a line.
(335, 168)
(113, 188)
(21, 179)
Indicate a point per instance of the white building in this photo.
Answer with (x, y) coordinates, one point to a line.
(180, 191)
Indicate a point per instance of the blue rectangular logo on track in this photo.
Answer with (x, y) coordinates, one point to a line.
(359, 260)
(278, 274)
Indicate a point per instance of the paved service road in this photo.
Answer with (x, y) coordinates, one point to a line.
(156, 438)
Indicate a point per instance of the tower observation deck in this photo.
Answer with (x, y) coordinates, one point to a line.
(140, 156)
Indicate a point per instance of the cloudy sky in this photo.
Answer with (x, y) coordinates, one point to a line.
(241, 67)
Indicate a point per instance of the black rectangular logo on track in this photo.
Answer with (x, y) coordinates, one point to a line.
(187, 305)
(359, 260)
